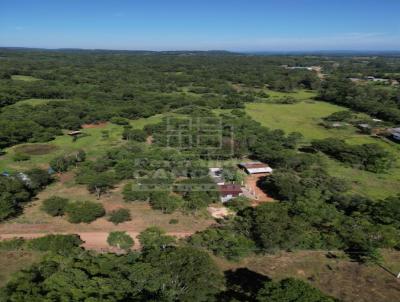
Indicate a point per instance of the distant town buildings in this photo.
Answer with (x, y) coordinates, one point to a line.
(310, 68)
(374, 79)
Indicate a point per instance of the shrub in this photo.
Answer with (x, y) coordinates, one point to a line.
(291, 290)
(55, 206)
(55, 243)
(226, 243)
(38, 179)
(84, 211)
(165, 202)
(286, 100)
(96, 182)
(132, 192)
(238, 203)
(340, 116)
(155, 238)
(120, 240)
(63, 163)
(174, 221)
(119, 216)
(119, 120)
(134, 134)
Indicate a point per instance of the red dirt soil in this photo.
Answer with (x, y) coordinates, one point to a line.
(251, 182)
(98, 125)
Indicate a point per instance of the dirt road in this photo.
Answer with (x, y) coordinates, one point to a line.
(92, 240)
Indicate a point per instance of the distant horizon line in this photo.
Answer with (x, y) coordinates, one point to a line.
(208, 50)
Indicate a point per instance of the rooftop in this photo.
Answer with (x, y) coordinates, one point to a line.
(252, 165)
(230, 189)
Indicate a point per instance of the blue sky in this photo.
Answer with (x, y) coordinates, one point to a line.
(253, 25)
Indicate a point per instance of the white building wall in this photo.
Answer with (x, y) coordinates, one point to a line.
(259, 170)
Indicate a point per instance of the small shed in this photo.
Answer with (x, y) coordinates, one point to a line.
(75, 133)
(255, 167)
(230, 191)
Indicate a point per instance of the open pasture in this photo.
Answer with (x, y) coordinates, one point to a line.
(304, 117)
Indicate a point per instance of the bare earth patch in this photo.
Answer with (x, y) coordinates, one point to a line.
(219, 212)
(36, 149)
(253, 190)
(95, 125)
(34, 222)
(149, 140)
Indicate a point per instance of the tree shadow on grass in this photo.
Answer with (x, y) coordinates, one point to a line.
(242, 284)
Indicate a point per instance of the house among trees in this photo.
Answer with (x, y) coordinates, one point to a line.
(256, 167)
(74, 133)
(229, 191)
(309, 68)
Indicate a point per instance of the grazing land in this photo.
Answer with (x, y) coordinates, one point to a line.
(305, 117)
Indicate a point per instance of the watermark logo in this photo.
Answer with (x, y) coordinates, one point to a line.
(204, 134)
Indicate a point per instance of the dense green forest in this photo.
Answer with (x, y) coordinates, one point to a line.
(135, 85)
(313, 210)
(162, 272)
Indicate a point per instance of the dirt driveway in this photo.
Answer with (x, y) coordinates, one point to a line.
(254, 191)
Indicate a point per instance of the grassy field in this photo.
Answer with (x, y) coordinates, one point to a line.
(367, 183)
(24, 78)
(304, 117)
(93, 143)
(341, 278)
(298, 95)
